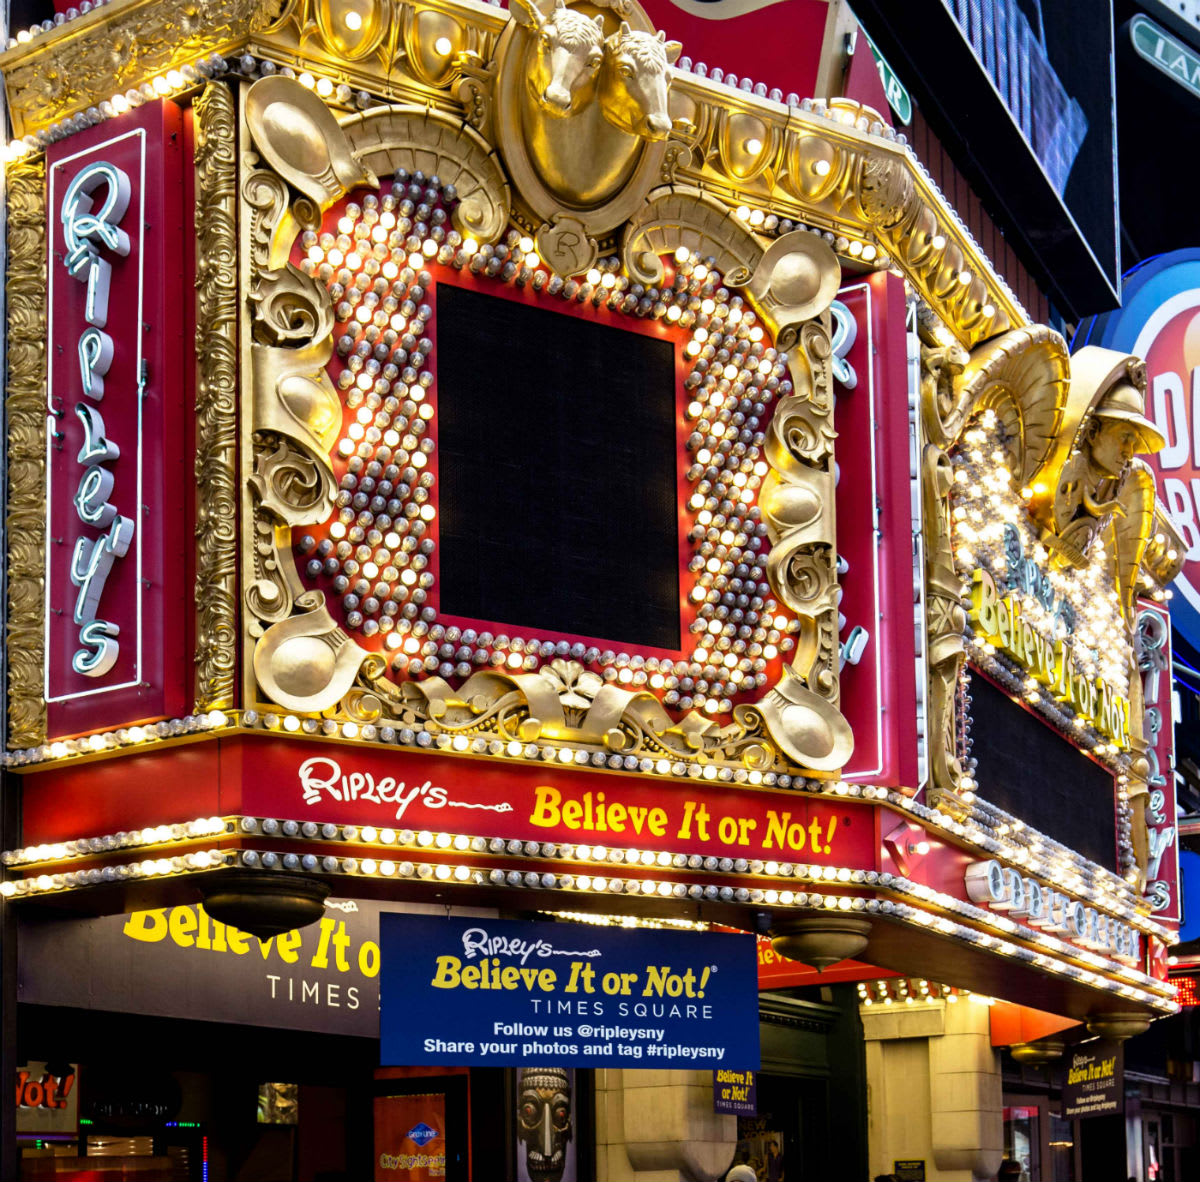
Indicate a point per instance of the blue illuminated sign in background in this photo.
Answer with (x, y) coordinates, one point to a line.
(503, 993)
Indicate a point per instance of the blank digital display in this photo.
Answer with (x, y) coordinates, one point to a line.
(1031, 771)
(557, 472)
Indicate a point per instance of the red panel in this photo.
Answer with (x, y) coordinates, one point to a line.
(778, 972)
(777, 44)
(139, 600)
(1012, 1023)
(874, 516)
(328, 782)
(129, 792)
(863, 83)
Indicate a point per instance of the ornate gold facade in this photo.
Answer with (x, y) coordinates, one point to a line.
(570, 125)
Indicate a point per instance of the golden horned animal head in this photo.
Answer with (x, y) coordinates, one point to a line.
(567, 53)
(634, 79)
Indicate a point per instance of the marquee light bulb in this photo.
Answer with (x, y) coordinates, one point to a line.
(353, 21)
(443, 46)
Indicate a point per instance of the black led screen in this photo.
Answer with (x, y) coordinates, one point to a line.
(1032, 772)
(557, 472)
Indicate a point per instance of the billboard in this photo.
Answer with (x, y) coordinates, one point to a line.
(501, 993)
(1022, 96)
(178, 962)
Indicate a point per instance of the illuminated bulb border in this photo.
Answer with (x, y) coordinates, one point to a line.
(386, 839)
(1147, 991)
(988, 829)
(247, 66)
(888, 991)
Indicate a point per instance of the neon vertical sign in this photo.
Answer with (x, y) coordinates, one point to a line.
(87, 232)
(118, 241)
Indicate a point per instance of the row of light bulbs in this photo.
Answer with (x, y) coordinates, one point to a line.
(988, 829)
(387, 838)
(1146, 990)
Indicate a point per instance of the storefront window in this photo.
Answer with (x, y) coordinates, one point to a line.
(1061, 1150)
(1021, 1141)
(1040, 1140)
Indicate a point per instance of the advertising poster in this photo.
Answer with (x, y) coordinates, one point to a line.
(178, 962)
(1095, 1080)
(47, 1099)
(760, 1146)
(502, 993)
(545, 1109)
(735, 1092)
(410, 1137)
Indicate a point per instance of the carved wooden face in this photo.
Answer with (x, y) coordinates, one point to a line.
(544, 1121)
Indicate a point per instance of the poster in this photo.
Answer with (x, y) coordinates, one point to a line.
(545, 1104)
(503, 993)
(735, 1091)
(410, 1137)
(760, 1146)
(1095, 1079)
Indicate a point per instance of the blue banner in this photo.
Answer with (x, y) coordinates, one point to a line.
(503, 993)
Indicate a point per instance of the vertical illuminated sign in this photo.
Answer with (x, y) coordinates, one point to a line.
(115, 394)
(1153, 647)
(93, 207)
(875, 533)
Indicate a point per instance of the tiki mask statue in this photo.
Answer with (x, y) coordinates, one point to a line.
(544, 1121)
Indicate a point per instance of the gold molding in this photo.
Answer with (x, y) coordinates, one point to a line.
(26, 400)
(827, 167)
(297, 657)
(216, 398)
(118, 47)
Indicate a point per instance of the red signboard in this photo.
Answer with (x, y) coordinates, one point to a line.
(780, 972)
(875, 532)
(402, 789)
(115, 529)
(775, 43)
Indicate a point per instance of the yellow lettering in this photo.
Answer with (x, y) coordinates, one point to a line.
(147, 926)
(447, 975)
(1004, 620)
(287, 944)
(984, 600)
(546, 806)
(182, 923)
